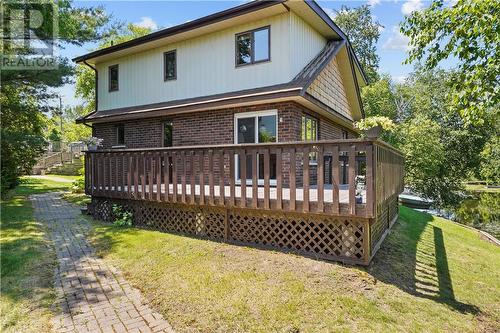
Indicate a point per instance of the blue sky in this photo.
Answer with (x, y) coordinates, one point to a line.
(162, 14)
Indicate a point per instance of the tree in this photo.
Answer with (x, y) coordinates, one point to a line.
(441, 150)
(490, 164)
(363, 33)
(468, 32)
(25, 94)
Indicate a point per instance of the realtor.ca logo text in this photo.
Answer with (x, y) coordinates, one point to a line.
(29, 35)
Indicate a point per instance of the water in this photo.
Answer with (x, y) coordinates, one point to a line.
(480, 210)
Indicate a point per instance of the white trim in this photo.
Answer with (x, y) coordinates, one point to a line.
(253, 114)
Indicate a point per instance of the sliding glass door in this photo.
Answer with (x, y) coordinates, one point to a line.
(256, 127)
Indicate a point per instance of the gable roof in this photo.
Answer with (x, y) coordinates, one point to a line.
(297, 88)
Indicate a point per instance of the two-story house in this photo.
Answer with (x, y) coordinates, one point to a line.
(229, 93)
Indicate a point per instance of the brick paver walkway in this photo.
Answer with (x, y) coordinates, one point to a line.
(92, 296)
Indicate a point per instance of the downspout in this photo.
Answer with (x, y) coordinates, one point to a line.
(96, 83)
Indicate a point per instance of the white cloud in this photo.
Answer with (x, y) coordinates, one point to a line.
(330, 12)
(147, 22)
(396, 41)
(410, 6)
(373, 3)
(399, 78)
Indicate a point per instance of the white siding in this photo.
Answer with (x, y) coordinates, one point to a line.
(305, 43)
(206, 65)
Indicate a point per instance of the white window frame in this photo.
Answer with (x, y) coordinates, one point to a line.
(256, 115)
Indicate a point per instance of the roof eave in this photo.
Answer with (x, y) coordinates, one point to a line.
(203, 21)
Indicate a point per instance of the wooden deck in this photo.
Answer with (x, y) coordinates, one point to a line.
(294, 197)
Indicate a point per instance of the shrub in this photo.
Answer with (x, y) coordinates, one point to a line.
(122, 217)
(78, 185)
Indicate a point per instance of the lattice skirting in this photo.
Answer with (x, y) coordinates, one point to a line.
(328, 237)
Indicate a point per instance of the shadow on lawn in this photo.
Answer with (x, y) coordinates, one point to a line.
(414, 259)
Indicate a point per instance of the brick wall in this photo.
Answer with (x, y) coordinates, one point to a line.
(217, 127)
(211, 127)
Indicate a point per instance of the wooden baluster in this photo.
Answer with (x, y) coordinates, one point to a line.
(267, 188)
(221, 179)
(102, 173)
(129, 174)
(211, 175)
(143, 176)
(305, 177)
(86, 166)
(321, 180)
(293, 162)
(124, 175)
(231, 178)
(183, 176)
(201, 166)
(93, 173)
(166, 174)
(158, 176)
(151, 174)
(97, 172)
(192, 177)
(243, 178)
(335, 179)
(174, 176)
(136, 176)
(369, 181)
(255, 181)
(109, 177)
(279, 180)
(111, 180)
(352, 180)
(117, 173)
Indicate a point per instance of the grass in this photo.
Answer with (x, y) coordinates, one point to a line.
(481, 188)
(430, 275)
(79, 199)
(27, 261)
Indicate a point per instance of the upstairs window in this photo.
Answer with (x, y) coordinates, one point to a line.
(120, 135)
(113, 78)
(170, 65)
(253, 46)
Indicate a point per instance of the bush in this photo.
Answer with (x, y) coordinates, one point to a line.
(122, 217)
(78, 185)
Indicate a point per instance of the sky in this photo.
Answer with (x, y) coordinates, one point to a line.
(391, 47)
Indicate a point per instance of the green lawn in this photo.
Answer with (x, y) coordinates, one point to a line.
(27, 261)
(481, 188)
(430, 275)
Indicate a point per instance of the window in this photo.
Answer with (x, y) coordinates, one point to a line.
(170, 65)
(310, 133)
(120, 135)
(253, 46)
(256, 127)
(167, 134)
(309, 129)
(113, 78)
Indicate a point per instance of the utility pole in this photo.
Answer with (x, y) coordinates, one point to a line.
(61, 124)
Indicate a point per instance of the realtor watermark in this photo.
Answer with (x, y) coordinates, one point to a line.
(29, 35)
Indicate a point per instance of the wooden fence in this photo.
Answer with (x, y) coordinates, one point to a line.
(356, 179)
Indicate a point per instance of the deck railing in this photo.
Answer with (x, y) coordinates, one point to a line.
(339, 177)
